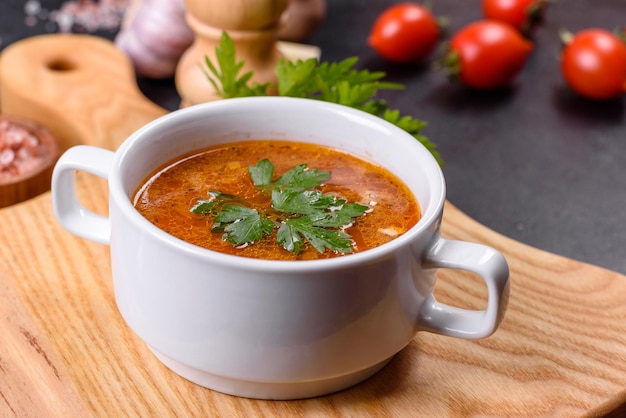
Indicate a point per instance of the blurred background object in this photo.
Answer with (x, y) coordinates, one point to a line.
(155, 51)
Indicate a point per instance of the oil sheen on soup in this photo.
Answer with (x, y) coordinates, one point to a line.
(166, 196)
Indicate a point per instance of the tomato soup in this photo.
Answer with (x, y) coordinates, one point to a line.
(166, 197)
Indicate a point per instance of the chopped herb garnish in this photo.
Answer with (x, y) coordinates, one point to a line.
(292, 232)
(337, 82)
(301, 178)
(215, 201)
(242, 225)
(306, 213)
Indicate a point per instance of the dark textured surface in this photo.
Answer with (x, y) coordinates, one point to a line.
(534, 162)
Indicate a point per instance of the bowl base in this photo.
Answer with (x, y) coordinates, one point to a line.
(268, 390)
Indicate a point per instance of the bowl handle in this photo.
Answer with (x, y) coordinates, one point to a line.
(71, 214)
(485, 261)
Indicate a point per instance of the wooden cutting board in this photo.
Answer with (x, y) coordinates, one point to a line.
(65, 350)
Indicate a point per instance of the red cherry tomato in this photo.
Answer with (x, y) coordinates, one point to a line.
(404, 33)
(523, 15)
(593, 64)
(486, 54)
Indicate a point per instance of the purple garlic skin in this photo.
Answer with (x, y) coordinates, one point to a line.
(301, 19)
(156, 37)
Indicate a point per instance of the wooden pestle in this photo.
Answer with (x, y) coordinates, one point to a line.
(253, 26)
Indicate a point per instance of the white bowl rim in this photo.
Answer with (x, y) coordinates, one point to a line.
(430, 215)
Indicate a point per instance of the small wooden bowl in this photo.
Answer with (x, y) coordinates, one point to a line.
(28, 153)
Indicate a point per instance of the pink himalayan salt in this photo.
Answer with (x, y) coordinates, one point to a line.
(21, 151)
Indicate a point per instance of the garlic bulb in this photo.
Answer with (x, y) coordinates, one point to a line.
(155, 36)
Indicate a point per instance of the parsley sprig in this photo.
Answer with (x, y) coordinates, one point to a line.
(303, 213)
(337, 82)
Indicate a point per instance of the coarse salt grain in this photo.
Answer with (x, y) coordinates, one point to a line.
(32, 7)
(79, 15)
(6, 158)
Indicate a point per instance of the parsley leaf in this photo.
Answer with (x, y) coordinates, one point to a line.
(296, 79)
(339, 218)
(213, 204)
(262, 173)
(306, 213)
(301, 178)
(292, 232)
(242, 225)
(301, 202)
(337, 82)
(227, 84)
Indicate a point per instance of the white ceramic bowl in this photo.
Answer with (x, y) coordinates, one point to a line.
(276, 329)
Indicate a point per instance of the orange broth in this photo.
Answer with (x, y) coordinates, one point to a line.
(167, 195)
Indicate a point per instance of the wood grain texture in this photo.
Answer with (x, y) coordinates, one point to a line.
(65, 350)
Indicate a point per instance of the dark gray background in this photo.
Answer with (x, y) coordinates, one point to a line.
(533, 162)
